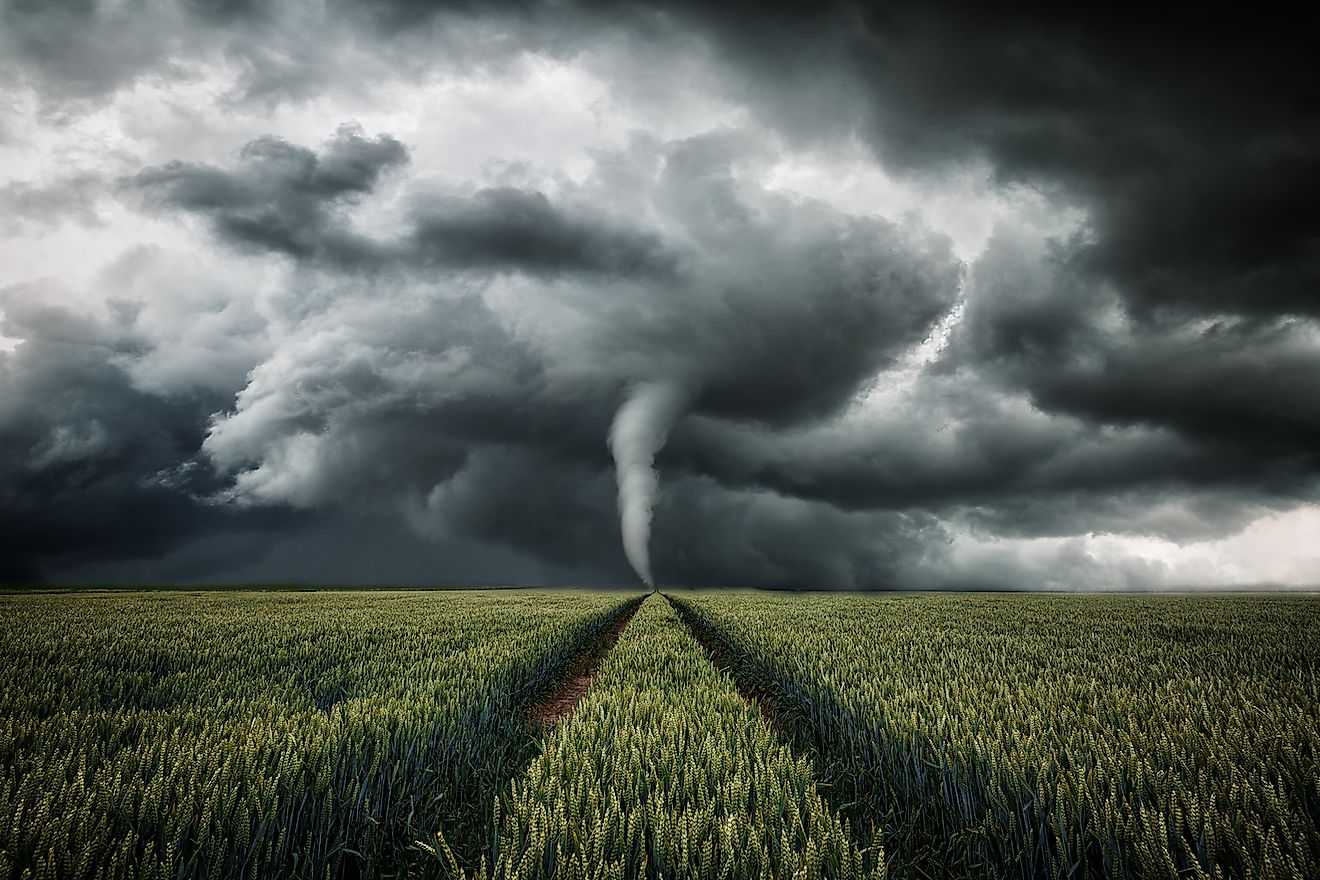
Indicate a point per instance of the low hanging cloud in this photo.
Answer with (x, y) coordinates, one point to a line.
(280, 320)
(286, 199)
(93, 468)
(459, 351)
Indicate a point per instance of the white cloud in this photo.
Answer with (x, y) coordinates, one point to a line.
(1278, 549)
(964, 203)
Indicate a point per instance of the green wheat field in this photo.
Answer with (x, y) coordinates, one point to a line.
(721, 734)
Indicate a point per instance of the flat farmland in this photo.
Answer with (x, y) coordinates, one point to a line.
(573, 734)
(268, 734)
(1049, 736)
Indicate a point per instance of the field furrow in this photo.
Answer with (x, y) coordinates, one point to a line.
(563, 696)
(270, 735)
(1039, 736)
(664, 771)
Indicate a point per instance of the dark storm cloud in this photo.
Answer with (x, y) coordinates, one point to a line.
(344, 550)
(474, 395)
(91, 468)
(962, 450)
(285, 197)
(1239, 388)
(76, 53)
(1192, 139)
(290, 199)
(772, 309)
(1182, 430)
(1247, 387)
(760, 539)
(505, 227)
(459, 362)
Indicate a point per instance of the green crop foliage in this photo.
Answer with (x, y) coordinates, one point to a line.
(268, 734)
(1052, 736)
(664, 771)
(387, 734)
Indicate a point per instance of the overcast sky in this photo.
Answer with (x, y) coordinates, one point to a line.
(339, 292)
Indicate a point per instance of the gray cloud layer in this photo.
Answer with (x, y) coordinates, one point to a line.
(452, 356)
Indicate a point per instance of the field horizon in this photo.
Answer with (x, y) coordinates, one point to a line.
(314, 587)
(649, 734)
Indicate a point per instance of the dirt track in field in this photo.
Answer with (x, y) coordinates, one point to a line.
(720, 661)
(564, 696)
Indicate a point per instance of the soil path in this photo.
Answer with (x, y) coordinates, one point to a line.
(563, 697)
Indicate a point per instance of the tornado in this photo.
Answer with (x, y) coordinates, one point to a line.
(638, 432)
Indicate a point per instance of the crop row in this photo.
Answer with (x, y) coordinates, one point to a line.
(664, 771)
(1051, 736)
(268, 735)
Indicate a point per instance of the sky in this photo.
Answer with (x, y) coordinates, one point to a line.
(820, 295)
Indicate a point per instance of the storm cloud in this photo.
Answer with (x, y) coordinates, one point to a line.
(947, 298)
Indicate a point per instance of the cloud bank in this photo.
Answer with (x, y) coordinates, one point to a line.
(520, 281)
